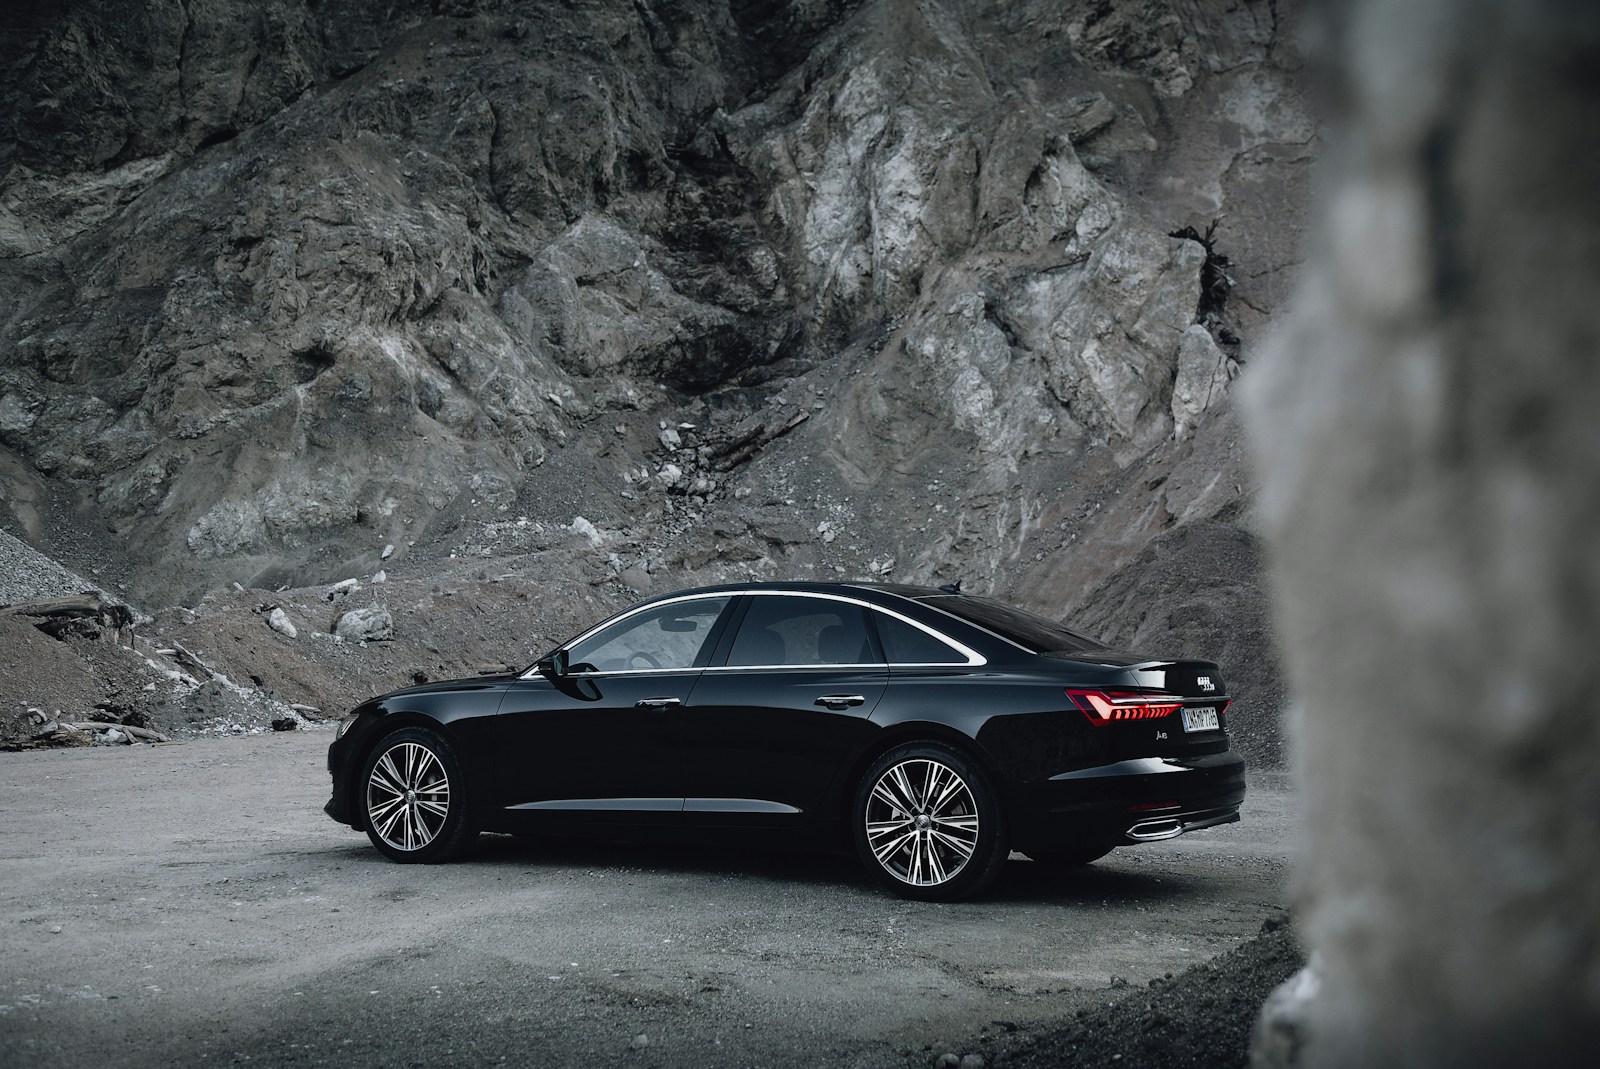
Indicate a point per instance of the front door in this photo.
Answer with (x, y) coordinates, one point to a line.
(589, 745)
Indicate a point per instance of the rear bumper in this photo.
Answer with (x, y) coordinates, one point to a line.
(1136, 801)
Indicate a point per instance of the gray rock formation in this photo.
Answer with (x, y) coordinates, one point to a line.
(1430, 489)
(292, 281)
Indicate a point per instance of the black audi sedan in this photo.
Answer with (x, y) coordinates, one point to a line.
(930, 731)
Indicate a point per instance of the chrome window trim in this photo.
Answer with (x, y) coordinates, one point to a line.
(974, 659)
(876, 665)
(636, 672)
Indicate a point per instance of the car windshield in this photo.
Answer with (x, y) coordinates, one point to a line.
(1024, 628)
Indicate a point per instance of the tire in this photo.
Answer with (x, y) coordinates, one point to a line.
(927, 824)
(407, 824)
(1071, 857)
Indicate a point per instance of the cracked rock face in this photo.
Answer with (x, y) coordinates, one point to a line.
(291, 280)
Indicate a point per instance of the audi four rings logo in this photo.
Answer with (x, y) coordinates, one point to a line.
(1206, 684)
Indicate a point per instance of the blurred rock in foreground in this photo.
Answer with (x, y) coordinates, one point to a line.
(1431, 487)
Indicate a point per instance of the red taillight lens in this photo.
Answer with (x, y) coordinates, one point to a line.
(1110, 706)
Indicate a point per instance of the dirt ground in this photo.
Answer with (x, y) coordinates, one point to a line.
(1201, 1019)
(190, 904)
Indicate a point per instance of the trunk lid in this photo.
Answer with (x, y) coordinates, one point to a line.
(1187, 732)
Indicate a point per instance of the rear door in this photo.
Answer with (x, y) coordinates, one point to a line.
(771, 721)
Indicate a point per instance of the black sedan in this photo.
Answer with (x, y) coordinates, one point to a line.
(929, 730)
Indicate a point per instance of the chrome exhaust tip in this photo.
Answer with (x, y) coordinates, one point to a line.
(1161, 828)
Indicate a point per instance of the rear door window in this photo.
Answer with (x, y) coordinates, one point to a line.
(801, 631)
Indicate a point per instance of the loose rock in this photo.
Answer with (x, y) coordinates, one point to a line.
(365, 625)
(279, 621)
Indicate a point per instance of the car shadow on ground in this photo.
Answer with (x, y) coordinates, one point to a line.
(1106, 880)
(695, 858)
(1023, 881)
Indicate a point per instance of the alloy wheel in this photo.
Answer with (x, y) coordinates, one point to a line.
(922, 822)
(408, 796)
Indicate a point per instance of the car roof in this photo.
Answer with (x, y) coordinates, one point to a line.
(895, 590)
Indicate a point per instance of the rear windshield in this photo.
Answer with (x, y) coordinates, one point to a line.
(1025, 629)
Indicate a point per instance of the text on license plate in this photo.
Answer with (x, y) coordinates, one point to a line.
(1200, 720)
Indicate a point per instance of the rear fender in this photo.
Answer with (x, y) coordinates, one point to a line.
(844, 788)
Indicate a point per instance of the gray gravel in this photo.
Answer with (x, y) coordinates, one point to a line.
(26, 574)
(190, 904)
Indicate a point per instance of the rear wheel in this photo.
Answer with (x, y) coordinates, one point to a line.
(412, 797)
(927, 824)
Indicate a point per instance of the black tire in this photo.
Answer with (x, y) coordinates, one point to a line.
(1071, 857)
(412, 798)
(940, 848)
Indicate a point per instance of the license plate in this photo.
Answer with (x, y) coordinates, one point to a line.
(1200, 720)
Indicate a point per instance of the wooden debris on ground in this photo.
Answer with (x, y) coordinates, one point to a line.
(83, 732)
(80, 614)
(747, 445)
(194, 665)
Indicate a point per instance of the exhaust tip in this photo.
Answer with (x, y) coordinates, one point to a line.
(1149, 830)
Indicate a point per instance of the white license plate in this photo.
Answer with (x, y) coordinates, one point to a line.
(1200, 720)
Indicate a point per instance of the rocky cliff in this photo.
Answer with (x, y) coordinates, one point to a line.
(673, 290)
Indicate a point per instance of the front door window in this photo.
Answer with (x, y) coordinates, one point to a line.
(660, 638)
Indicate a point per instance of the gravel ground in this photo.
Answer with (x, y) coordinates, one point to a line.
(189, 904)
(1200, 1019)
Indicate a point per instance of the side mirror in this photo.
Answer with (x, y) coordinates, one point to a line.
(553, 666)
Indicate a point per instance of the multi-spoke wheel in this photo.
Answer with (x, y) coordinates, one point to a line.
(927, 824)
(411, 797)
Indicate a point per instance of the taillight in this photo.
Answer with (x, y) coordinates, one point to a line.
(1109, 706)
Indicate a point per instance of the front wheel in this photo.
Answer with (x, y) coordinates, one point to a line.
(413, 799)
(927, 824)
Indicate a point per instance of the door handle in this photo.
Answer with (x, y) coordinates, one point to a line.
(656, 703)
(840, 701)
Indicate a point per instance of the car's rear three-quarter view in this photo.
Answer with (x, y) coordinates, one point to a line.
(930, 731)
